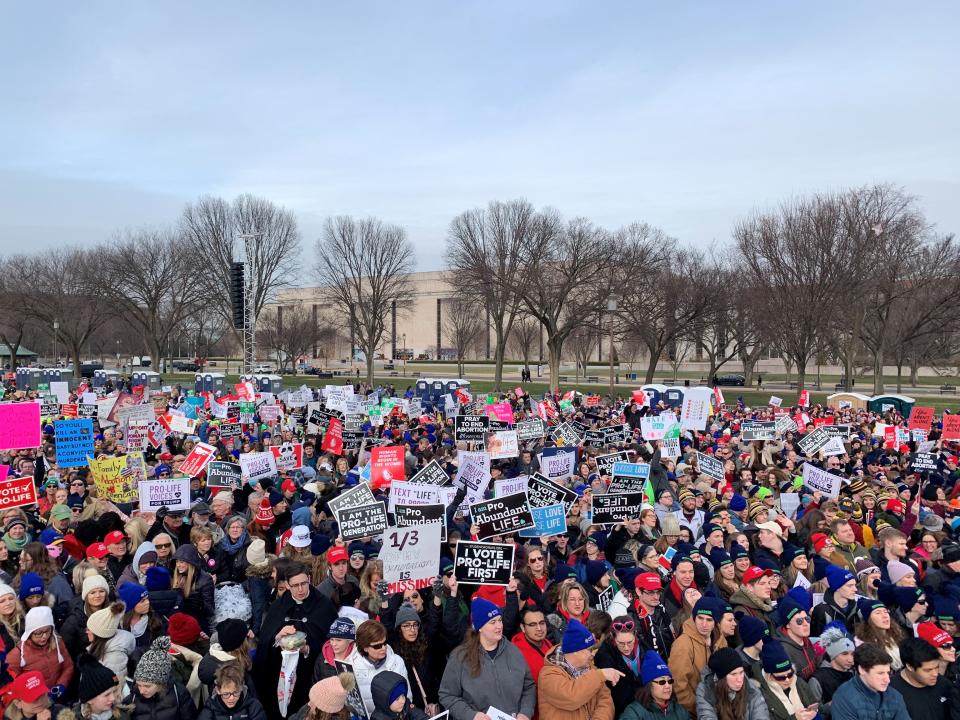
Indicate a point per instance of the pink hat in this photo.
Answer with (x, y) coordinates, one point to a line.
(330, 695)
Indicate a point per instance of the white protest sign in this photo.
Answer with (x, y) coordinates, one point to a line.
(559, 465)
(775, 401)
(696, 408)
(410, 556)
(258, 465)
(802, 581)
(834, 447)
(408, 493)
(503, 444)
(173, 493)
(789, 503)
(474, 473)
(655, 428)
(817, 479)
(510, 486)
(61, 390)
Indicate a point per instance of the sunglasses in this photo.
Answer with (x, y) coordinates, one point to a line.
(801, 620)
(947, 646)
(536, 559)
(623, 626)
(378, 646)
(783, 676)
(163, 546)
(663, 681)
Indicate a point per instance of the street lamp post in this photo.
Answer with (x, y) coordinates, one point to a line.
(56, 327)
(118, 354)
(611, 308)
(404, 336)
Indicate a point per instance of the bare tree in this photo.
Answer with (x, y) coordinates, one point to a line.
(151, 278)
(523, 337)
(462, 327)
(216, 228)
(566, 271)
(484, 252)
(363, 266)
(291, 332)
(15, 319)
(583, 341)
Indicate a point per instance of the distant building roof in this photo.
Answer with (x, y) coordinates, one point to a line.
(21, 351)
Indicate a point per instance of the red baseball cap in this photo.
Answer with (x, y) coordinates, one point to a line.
(114, 538)
(97, 550)
(648, 581)
(337, 554)
(28, 687)
(819, 540)
(933, 635)
(754, 573)
(895, 505)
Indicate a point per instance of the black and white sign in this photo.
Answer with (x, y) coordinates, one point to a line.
(605, 462)
(565, 435)
(812, 442)
(821, 480)
(407, 515)
(785, 424)
(471, 428)
(352, 439)
(614, 508)
(360, 495)
(605, 598)
(354, 698)
(543, 492)
(230, 430)
(838, 431)
(595, 438)
(224, 474)
(432, 474)
(362, 521)
(710, 466)
(531, 429)
(480, 563)
(758, 430)
(506, 514)
(411, 556)
(924, 462)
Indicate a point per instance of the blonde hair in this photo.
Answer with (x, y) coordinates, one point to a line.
(188, 578)
(567, 587)
(81, 571)
(136, 530)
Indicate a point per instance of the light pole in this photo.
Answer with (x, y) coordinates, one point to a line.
(118, 354)
(404, 351)
(611, 308)
(56, 326)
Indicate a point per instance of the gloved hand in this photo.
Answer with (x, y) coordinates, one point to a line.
(56, 692)
(382, 589)
(437, 585)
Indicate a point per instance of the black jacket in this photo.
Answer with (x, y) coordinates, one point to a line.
(624, 692)
(828, 611)
(247, 708)
(383, 683)
(174, 704)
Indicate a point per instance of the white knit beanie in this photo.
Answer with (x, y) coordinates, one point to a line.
(6, 590)
(38, 618)
(92, 583)
(105, 623)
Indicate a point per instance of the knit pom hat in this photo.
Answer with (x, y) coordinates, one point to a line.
(834, 640)
(653, 667)
(576, 637)
(344, 629)
(752, 630)
(774, 657)
(105, 623)
(898, 571)
(157, 578)
(131, 594)
(94, 678)
(30, 584)
(406, 613)
(482, 611)
(91, 583)
(257, 552)
(6, 590)
(724, 661)
(184, 629)
(265, 516)
(330, 695)
(155, 664)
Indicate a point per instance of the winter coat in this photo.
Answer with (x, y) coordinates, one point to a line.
(364, 671)
(185, 664)
(247, 708)
(561, 696)
(674, 711)
(74, 628)
(775, 706)
(231, 567)
(828, 611)
(165, 603)
(530, 592)
(62, 592)
(173, 704)
(624, 692)
(743, 602)
(119, 712)
(620, 605)
(825, 682)
(258, 588)
(654, 630)
(531, 653)
(804, 657)
(855, 701)
(380, 688)
(55, 671)
(688, 658)
(117, 650)
(201, 603)
(707, 703)
(505, 682)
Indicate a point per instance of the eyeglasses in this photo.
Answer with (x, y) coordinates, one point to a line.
(536, 559)
(801, 620)
(538, 623)
(782, 677)
(377, 646)
(299, 585)
(77, 484)
(623, 626)
(413, 625)
(230, 695)
(42, 631)
(652, 592)
(663, 681)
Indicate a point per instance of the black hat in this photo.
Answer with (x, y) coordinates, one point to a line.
(94, 678)
(231, 634)
(724, 661)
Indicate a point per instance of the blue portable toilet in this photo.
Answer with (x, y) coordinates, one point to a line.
(673, 396)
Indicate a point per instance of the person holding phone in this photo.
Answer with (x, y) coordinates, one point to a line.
(787, 695)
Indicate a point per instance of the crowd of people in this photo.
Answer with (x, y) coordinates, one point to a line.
(749, 597)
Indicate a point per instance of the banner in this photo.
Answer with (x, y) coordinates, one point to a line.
(386, 465)
(74, 442)
(431, 474)
(113, 478)
(550, 520)
(197, 460)
(502, 444)
(758, 430)
(258, 465)
(224, 474)
(471, 428)
(19, 426)
(411, 556)
(542, 492)
(288, 456)
(817, 479)
(17, 492)
(333, 437)
(611, 509)
(173, 493)
(481, 563)
(362, 521)
(501, 515)
(711, 467)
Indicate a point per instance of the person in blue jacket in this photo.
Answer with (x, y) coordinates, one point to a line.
(868, 694)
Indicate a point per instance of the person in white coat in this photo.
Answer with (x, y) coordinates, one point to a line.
(108, 643)
(372, 656)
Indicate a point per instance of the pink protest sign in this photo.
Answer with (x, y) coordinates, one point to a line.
(501, 411)
(19, 425)
(4, 471)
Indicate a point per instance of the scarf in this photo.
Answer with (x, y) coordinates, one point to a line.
(568, 616)
(571, 671)
(140, 626)
(16, 544)
(763, 605)
(231, 548)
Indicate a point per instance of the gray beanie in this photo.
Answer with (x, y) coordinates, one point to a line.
(406, 613)
(834, 641)
(155, 664)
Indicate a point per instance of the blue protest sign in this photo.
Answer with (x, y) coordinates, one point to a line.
(549, 520)
(632, 470)
(74, 439)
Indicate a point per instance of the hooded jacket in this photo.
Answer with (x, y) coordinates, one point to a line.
(688, 658)
(247, 708)
(381, 687)
(562, 696)
(132, 573)
(828, 611)
(505, 682)
(804, 656)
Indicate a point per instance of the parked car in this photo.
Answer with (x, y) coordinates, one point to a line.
(185, 366)
(735, 379)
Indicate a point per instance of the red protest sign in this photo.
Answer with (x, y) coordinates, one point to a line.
(951, 427)
(245, 391)
(921, 418)
(718, 396)
(19, 425)
(889, 436)
(804, 400)
(69, 410)
(333, 437)
(386, 465)
(17, 492)
(593, 400)
(197, 460)
(639, 397)
(821, 421)
(288, 456)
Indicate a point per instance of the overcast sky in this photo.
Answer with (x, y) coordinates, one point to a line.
(684, 115)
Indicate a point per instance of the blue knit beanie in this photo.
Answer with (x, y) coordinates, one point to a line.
(399, 690)
(752, 630)
(867, 606)
(131, 594)
(653, 667)
(738, 503)
(837, 577)
(596, 569)
(482, 611)
(30, 584)
(786, 609)
(719, 557)
(576, 637)
(774, 657)
(157, 578)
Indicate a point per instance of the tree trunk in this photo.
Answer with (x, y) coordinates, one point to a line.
(878, 372)
(75, 355)
(155, 354)
(801, 375)
(899, 376)
(651, 365)
(914, 372)
(553, 360)
(498, 355)
(14, 348)
(748, 363)
(370, 369)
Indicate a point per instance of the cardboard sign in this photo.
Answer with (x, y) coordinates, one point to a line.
(386, 465)
(775, 401)
(173, 493)
(951, 427)
(711, 467)
(550, 520)
(408, 515)
(288, 456)
(542, 492)
(258, 465)
(812, 442)
(502, 444)
(362, 521)
(431, 474)
(17, 492)
(197, 460)
(224, 474)
(74, 440)
(471, 428)
(758, 430)
(921, 418)
(817, 479)
(614, 508)
(19, 426)
(333, 437)
(501, 515)
(481, 563)
(533, 429)
(411, 556)
(114, 478)
(925, 462)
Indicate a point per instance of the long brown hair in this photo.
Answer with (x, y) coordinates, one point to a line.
(728, 709)
(470, 650)
(868, 632)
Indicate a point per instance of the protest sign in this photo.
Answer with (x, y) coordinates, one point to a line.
(17, 492)
(471, 428)
(614, 508)
(49, 407)
(654, 428)
(362, 521)
(19, 426)
(696, 408)
(629, 477)
(136, 436)
(173, 494)
(333, 437)
(838, 431)
(431, 474)
(509, 486)
(69, 410)
(775, 401)
(288, 456)
(501, 515)
(74, 440)
(549, 520)
(473, 473)
(565, 434)
(925, 462)
(113, 477)
(785, 424)
(354, 698)
(533, 429)
(817, 479)
(558, 462)
(790, 503)
(481, 563)
(182, 424)
(230, 430)
(595, 438)
(804, 399)
(833, 447)
(710, 466)
(132, 411)
(407, 515)
(671, 443)
(639, 397)
(812, 442)
(87, 410)
(501, 411)
(258, 465)
(355, 497)
(951, 427)
(197, 460)
(605, 463)
(921, 418)
(386, 465)
(758, 430)
(542, 492)
(502, 444)
(406, 493)
(224, 474)
(411, 556)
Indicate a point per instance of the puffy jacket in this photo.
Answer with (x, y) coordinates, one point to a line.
(174, 704)
(825, 682)
(655, 630)
(855, 701)
(247, 708)
(57, 669)
(674, 711)
(687, 660)
(381, 688)
(231, 567)
(74, 628)
(117, 650)
(365, 672)
(505, 682)
(201, 603)
(828, 611)
(561, 696)
(707, 702)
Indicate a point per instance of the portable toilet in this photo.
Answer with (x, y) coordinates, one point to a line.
(268, 383)
(146, 378)
(458, 384)
(29, 378)
(881, 403)
(855, 401)
(100, 377)
(49, 375)
(423, 389)
(654, 393)
(210, 382)
(673, 396)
